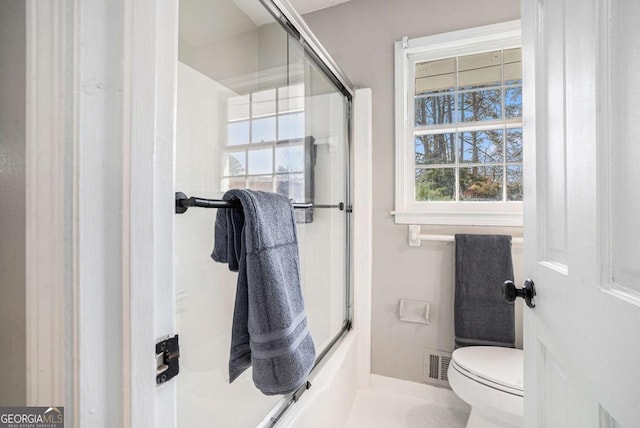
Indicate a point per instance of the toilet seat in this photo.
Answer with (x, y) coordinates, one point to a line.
(495, 367)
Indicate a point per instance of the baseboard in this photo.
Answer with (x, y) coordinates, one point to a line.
(421, 391)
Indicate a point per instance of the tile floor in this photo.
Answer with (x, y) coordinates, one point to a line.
(376, 408)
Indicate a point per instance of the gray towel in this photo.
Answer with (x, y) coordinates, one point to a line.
(270, 330)
(482, 316)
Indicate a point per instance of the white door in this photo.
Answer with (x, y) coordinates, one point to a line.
(582, 118)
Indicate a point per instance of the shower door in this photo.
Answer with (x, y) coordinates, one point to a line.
(257, 110)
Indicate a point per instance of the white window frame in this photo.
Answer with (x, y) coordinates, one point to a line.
(407, 53)
(272, 144)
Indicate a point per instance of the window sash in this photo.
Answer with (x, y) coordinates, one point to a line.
(457, 128)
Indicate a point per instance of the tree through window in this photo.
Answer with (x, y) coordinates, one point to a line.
(467, 128)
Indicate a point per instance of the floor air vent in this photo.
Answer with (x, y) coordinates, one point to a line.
(436, 364)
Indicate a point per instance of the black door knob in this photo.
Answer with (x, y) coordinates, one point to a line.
(528, 292)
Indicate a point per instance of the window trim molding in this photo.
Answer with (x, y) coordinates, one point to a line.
(407, 211)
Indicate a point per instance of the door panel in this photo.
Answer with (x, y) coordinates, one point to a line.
(554, 397)
(622, 39)
(582, 240)
(553, 214)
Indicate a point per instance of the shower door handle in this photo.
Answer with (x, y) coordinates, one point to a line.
(528, 292)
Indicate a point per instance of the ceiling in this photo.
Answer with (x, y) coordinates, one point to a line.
(203, 22)
(306, 6)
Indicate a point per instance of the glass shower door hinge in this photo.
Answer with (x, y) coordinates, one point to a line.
(167, 359)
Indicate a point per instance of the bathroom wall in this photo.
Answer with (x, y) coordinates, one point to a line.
(12, 193)
(360, 36)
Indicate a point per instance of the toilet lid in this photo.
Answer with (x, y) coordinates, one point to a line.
(494, 366)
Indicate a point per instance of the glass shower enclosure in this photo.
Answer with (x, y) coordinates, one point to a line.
(259, 107)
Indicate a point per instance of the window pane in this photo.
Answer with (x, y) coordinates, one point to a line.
(434, 110)
(514, 145)
(480, 70)
(513, 66)
(291, 104)
(264, 183)
(235, 163)
(291, 126)
(238, 133)
(482, 183)
(435, 149)
(263, 130)
(232, 183)
(290, 159)
(263, 96)
(480, 105)
(481, 146)
(514, 183)
(291, 185)
(291, 98)
(435, 184)
(260, 161)
(513, 102)
(263, 103)
(238, 108)
(291, 91)
(435, 76)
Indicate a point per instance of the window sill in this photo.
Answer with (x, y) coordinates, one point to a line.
(458, 218)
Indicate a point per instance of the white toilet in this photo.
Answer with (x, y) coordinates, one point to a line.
(489, 379)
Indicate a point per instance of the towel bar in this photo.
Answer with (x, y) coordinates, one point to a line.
(415, 237)
(183, 202)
